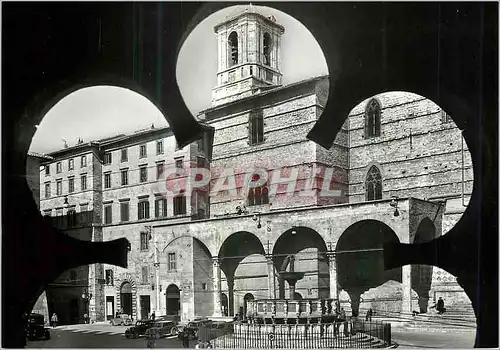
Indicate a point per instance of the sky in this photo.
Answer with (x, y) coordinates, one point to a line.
(103, 111)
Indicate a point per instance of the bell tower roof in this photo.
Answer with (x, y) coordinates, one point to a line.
(249, 54)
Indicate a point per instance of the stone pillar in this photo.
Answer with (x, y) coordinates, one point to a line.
(230, 296)
(217, 288)
(406, 284)
(332, 269)
(271, 281)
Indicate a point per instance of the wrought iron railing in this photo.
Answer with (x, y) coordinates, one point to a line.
(348, 334)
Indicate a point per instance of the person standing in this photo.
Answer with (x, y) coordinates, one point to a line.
(54, 320)
(153, 316)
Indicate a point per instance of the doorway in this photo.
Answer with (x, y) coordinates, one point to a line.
(145, 306)
(173, 296)
(246, 298)
(126, 298)
(110, 307)
(74, 311)
(224, 302)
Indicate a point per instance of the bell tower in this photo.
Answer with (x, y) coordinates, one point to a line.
(249, 56)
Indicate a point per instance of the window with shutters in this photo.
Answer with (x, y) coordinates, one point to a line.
(83, 181)
(160, 207)
(159, 147)
(256, 127)
(47, 190)
(172, 262)
(372, 118)
(109, 277)
(144, 241)
(83, 161)
(373, 184)
(179, 163)
(143, 171)
(124, 173)
(159, 169)
(124, 211)
(142, 151)
(59, 187)
(180, 205)
(107, 180)
(107, 158)
(108, 214)
(124, 157)
(71, 184)
(71, 164)
(145, 275)
(47, 170)
(143, 209)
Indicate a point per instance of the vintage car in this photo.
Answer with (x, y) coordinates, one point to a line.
(121, 320)
(139, 329)
(162, 329)
(35, 327)
(192, 327)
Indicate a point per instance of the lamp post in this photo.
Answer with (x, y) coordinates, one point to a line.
(86, 296)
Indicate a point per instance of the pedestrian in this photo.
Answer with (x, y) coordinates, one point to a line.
(85, 318)
(369, 314)
(185, 339)
(54, 320)
(440, 306)
(153, 316)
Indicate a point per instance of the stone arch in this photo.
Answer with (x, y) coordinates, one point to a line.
(309, 249)
(205, 248)
(172, 299)
(233, 250)
(119, 283)
(267, 46)
(360, 260)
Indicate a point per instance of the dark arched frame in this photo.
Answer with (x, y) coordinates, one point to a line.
(126, 298)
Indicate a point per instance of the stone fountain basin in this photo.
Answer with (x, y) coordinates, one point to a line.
(290, 276)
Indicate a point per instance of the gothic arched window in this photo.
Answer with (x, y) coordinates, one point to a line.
(372, 118)
(233, 48)
(373, 184)
(267, 49)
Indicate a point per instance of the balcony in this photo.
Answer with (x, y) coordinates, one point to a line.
(72, 220)
(303, 308)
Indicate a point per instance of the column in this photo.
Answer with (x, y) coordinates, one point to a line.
(406, 284)
(230, 295)
(271, 282)
(332, 269)
(217, 288)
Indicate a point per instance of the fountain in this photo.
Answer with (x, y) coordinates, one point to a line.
(291, 323)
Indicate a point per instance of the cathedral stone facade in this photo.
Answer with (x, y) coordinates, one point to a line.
(398, 171)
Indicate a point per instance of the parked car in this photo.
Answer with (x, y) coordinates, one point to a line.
(163, 328)
(121, 320)
(192, 327)
(35, 327)
(139, 329)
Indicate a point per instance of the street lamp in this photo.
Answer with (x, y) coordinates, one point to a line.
(394, 204)
(86, 296)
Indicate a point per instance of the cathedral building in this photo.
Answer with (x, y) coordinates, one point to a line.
(398, 171)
